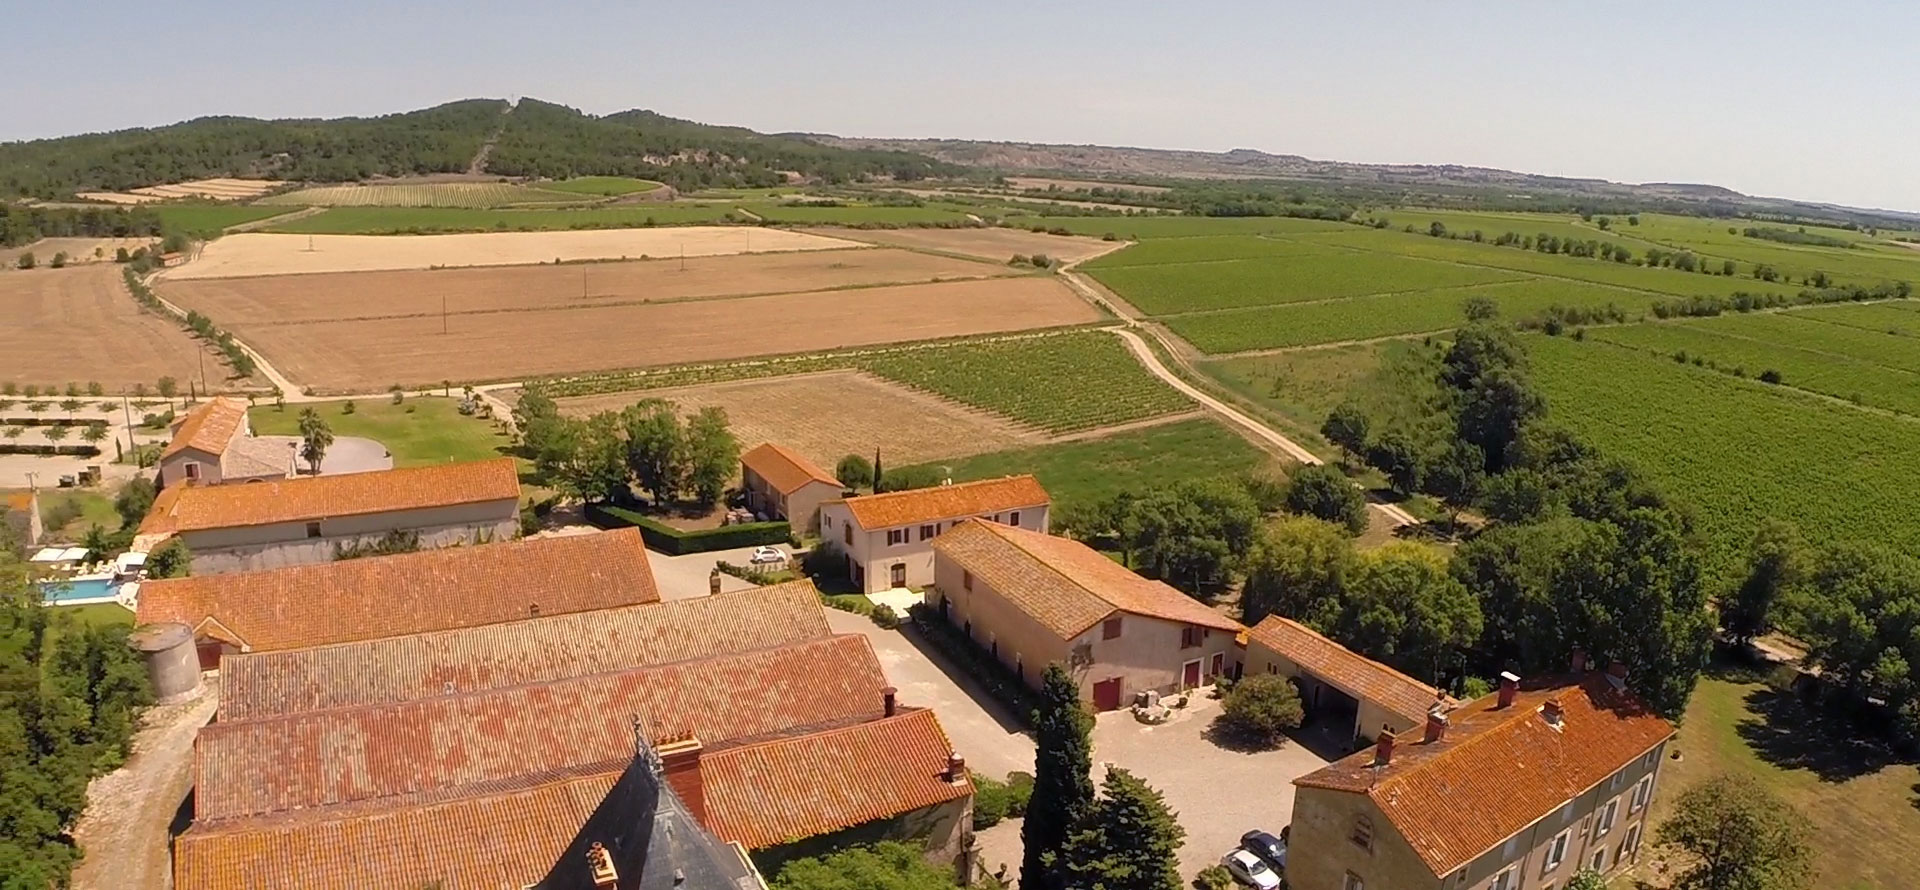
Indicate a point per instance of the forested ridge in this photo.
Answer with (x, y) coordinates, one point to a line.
(537, 139)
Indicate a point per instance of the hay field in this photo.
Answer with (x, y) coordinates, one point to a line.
(259, 253)
(220, 189)
(287, 299)
(829, 415)
(427, 194)
(81, 325)
(79, 251)
(997, 244)
(370, 354)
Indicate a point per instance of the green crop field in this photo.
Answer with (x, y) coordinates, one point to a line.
(827, 216)
(1737, 450)
(1147, 227)
(1806, 331)
(429, 220)
(1898, 317)
(1084, 472)
(208, 220)
(606, 186)
(1800, 361)
(435, 194)
(1058, 383)
(1233, 284)
(1202, 249)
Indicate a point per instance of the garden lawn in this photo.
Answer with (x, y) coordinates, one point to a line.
(424, 430)
(80, 508)
(209, 220)
(1083, 472)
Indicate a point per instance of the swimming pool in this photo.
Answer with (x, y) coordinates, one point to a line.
(77, 590)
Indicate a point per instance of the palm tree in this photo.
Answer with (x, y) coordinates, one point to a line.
(315, 436)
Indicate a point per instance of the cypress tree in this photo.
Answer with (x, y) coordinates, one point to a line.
(876, 472)
(1062, 780)
(1129, 840)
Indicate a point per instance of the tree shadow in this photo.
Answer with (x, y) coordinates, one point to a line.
(1228, 736)
(1792, 734)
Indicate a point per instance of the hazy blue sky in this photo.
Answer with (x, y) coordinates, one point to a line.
(1805, 100)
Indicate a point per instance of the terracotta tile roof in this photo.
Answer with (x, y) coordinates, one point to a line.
(785, 470)
(1349, 671)
(198, 507)
(1497, 770)
(427, 665)
(774, 792)
(894, 508)
(322, 758)
(1065, 585)
(382, 596)
(209, 426)
(249, 457)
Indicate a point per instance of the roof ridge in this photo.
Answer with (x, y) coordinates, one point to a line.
(1332, 642)
(884, 495)
(999, 530)
(904, 715)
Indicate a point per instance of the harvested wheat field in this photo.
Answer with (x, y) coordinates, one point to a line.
(220, 189)
(258, 253)
(829, 415)
(117, 197)
(80, 325)
(362, 355)
(78, 250)
(347, 296)
(996, 244)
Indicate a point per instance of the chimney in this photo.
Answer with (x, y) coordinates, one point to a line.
(680, 762)
(1551, 710)
(887, 696)
(1509, 687)
(713, 582)
(956, 768)
(1436, 724)
(1383, 747)
(1617, 674)
(600, 865)
(1579, 661)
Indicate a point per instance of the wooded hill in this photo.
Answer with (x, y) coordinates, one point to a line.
(536, 139)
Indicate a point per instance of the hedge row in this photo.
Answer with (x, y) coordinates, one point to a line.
(50, 421)
(674, 542)
(72, 450)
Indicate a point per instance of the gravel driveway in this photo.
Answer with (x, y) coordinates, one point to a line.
(124, 830)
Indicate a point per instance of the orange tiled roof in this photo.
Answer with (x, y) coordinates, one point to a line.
(382, 596)
(209, 426)
(785, 470)
(1065, 585)
(325, 758)
(183, 508)
(1497, 770)
(1353, 673)
(427, 665)
(774, 792)
(878, 511)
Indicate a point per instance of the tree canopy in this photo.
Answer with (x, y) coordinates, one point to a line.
(1740, 837)
(1062, 780)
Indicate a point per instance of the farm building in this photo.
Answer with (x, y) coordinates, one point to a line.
(783, 485)
(214, 443)
(382, 596)
(1338, 685)
(20, 510)
(1032, 599)
(887, 539)
(1519, 788)
(298, 521)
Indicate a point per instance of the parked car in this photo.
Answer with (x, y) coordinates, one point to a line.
(768, 556)
(1249, 870)
(1271, 850)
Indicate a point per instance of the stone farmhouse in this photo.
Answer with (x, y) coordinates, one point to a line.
(303, 520)
(887, 539)
(214, 443)
(1032, 599)
(1518, 789)
(783, 485)
(1337, 685)
(379, 596)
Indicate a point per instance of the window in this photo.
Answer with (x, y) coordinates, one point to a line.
(966, 580)
(1600, 859)
(1110, 629)
(926, 532)
(1502, 881)
(1631, 844)
(193, 469)
(846, 534)
(1013, 518)
(1618, 778)
(1362, 835)
(1607, 815)
(1557, 851)
(313, 529)
(1353, 882)
(1641, 793)
(1190, 636)
(896, 536)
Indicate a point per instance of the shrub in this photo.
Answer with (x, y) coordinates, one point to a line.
(1770, 376)
(60, 260)
(1019, 791)
(25, 261)
(853, 471)
(1263, 705)
(885, 617)
(675, 542)
(348, 407)
(1213, 877)
(992, 801)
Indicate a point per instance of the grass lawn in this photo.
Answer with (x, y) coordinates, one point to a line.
(1087, 471)
(1863, 805)
(424, 430)
(96, 613)
(85, 507)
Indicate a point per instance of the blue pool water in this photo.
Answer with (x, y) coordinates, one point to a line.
(83, 589)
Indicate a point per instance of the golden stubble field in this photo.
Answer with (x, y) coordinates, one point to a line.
(80, 325)
(259, 253)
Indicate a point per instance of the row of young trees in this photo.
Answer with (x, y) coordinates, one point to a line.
(602, 457)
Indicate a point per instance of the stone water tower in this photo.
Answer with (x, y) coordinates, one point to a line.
(173, 664)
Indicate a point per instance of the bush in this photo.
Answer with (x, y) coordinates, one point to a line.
(1770, 376)
(853, 471)
(992, 801)
(1213, 877)
(1323, 492)
(1019, 791)
(25, 261)
(885, 617)
(848, 602)
(1263, 705)
(675, 542)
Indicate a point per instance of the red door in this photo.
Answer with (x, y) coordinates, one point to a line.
(1106, 694)
(1190, 677)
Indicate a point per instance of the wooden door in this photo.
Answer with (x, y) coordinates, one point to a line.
(1106, 694)
(1190, 675)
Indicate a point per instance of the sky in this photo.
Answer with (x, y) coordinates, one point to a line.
(1814, 101)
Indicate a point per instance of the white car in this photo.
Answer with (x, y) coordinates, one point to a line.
(768, 556)
(1249, 870)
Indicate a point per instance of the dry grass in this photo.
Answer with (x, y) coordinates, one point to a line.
(81, 325)
(256, 253)
(79, 250)
(996, 244)
(222, 189)
(829, 415)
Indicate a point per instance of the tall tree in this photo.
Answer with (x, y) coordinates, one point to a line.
(712, 454)
(1740, 837)
(853, 471)
(1298, 570)
(1323, 492)
(1193, 534)
(1347, 427)
(315, 438)
(1129, 839)
(1062, 779)
(879, 474)
(588, 458)
(1404, 609)
(656, 448)
(1775, 563)
(1861, 612)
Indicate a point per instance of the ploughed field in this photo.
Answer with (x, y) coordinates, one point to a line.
(80, 324)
